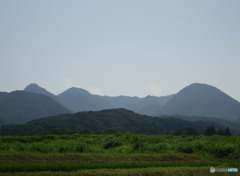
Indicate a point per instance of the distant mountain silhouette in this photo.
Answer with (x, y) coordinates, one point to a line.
(104, 121)
(237, 121)
(34, 88)
(202, 100)
(194, 100)
(77, 100)
(22, 106)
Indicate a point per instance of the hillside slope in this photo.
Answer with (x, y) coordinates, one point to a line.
(103, 121)
(202, 100)
(21, 106)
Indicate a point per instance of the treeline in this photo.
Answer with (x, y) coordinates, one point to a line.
(209, 131)
(108, 121)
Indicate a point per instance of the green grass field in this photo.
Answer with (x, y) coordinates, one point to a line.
(118, 154)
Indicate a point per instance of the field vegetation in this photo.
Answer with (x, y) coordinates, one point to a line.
(117, 154)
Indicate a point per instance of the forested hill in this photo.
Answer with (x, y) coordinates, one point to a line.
(103, 121)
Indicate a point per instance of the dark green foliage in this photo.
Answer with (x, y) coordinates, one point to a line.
(222, 147)
(62, 150)
(91, 154)
(222, 151)
(59, 131)
(138, 146)
(114, 120)
(36, 167)
(223, 122)
(178, 132)
(111, 143)
(80, 148)
(220, 132)
(186, 131)
(185, 148)
(227, 132)
(210, 131)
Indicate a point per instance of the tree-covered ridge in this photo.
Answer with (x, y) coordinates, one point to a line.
(105, 121)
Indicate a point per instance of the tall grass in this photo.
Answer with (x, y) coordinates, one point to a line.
(221, 147)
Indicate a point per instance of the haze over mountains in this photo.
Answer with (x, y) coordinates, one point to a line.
(202, 100)
(22, 106)
(194, 100)
(77, 100)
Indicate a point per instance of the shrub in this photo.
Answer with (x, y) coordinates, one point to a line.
(223, 151)
(160, 147)
(198, 146)
(80, 148)
(137, 146)
(185, 148)
(39, 147)
(112, 143)
(141, 146)
(62, 150)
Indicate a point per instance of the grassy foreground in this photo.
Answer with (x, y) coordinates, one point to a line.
(117, 154)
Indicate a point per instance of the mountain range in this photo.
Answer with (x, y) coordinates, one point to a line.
(77, 100)
(195, 100)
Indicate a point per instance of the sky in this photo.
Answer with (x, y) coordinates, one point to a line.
(120, 47)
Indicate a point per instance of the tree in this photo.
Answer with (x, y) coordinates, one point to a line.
(220, 132)
(190, 131)
(186, 131)
(227, 132)
(179, 132)
(210, 131)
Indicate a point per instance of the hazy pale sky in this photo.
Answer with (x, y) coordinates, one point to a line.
(120, 47)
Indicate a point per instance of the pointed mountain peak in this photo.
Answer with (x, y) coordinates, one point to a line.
(34, 88)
